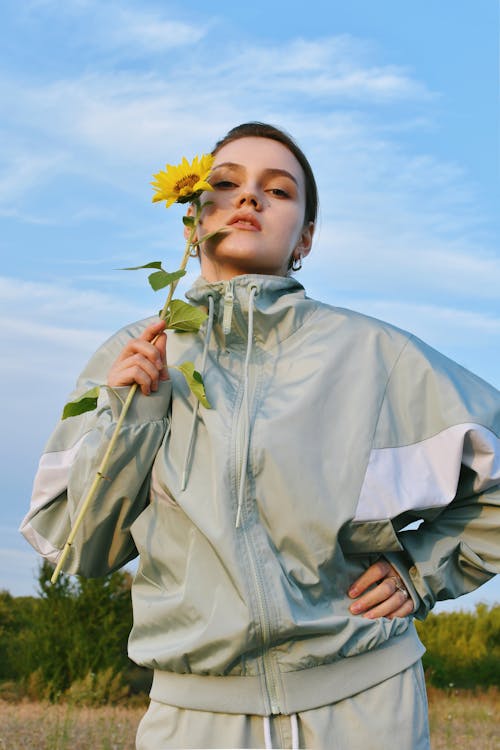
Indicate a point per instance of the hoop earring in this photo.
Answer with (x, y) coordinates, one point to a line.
(297, 263)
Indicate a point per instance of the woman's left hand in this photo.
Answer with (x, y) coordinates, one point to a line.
(389, 596)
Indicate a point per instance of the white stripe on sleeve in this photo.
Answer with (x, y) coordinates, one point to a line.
(425, 474)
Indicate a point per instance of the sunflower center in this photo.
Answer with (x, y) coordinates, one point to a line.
(188, 181)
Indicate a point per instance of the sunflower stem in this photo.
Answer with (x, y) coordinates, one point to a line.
(99, 476)
(185, 258)
(101, 472)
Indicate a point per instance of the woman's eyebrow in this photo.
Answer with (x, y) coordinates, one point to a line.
(231, 164)
(270, 172)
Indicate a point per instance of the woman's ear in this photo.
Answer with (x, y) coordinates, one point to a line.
(304, 244)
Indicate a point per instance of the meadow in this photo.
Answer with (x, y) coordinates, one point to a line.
(66, 682)
(462, 719)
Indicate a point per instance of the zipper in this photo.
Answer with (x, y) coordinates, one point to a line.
(270, 675)
(267, 659)
(228, 308)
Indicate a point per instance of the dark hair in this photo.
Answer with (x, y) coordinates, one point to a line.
(263, 130)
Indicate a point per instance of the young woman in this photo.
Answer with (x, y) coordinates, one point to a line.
(276, 585)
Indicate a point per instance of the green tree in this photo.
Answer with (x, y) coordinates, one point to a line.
(463, 648)
(80, 626)
(17, 615)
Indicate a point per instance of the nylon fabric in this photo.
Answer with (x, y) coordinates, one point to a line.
(190, 443)
(392, 712)
(246, 405)
(255, 619)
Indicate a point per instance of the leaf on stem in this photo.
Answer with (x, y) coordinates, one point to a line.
(188, 221)
(161, 279)
(195, 382)
(182, 316)
(153, 264)
(86, 402)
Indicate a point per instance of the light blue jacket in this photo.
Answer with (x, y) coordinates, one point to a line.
(330, 432)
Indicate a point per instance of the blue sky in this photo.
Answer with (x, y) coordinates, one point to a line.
(396, 104)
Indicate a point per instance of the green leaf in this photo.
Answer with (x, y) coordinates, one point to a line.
(160, 279)
(188, 221)
(195, 382)
(182, 316)
(86, 402)
(153, 264)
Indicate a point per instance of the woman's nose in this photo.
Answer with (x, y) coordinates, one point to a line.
(249, 198)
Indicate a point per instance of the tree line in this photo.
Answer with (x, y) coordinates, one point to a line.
(70, 642)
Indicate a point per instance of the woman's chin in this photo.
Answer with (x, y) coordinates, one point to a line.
(239, 263)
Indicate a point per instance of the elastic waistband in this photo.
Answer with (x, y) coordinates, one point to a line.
(299, 691)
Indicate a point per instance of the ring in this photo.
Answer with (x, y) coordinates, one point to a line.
(399, 585)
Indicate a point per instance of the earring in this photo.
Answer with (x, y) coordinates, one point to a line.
(297, 263)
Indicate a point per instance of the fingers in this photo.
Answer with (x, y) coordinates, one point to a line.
(374, 573)
(389, 598)
(142, 360)
(384, 601)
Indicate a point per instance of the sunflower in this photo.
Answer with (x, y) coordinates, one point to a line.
(184, 182)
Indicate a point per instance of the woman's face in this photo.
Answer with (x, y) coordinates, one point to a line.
(259, 194)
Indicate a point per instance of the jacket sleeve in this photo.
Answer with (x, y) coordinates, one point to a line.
(70, 462)
(435, 462)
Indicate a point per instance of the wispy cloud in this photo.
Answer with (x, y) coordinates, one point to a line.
(124, 26)
(405, 261)
(150, 31)
(62, 305)
(20, 170)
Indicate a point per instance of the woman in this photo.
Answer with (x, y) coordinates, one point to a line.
(275, 582)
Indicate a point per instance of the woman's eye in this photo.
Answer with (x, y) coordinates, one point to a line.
(223, 185)
(279, 192)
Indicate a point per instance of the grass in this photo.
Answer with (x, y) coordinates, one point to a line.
(464, 719)
(42, 726)
(458, 719)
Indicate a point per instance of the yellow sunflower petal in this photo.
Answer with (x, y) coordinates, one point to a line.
(201, 185)
(182, 182)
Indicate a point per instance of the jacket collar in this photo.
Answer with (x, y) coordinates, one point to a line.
(279, 303)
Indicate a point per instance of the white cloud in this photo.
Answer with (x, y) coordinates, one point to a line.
(151, 31)
(448, 323)
(126, 112)
(404, 259)
(121, 25)
(60, 301)
(21, 169)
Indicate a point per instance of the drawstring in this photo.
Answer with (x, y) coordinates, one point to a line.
(267, 733)
(190, 444)
(246, 405)
(295, 731)
(228, 310)
(294, 725)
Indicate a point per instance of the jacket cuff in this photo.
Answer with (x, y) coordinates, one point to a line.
(397, 561)
(143, 408)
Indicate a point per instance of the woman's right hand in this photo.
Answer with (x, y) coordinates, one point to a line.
(142, 360)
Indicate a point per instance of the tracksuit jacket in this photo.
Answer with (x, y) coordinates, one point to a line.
(329, 433)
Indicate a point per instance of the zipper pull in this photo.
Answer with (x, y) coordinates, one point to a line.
(228, 308)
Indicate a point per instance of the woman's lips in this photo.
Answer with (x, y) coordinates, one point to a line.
(247, 222)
